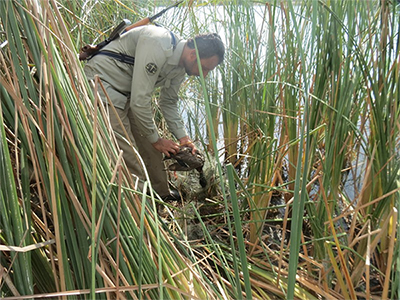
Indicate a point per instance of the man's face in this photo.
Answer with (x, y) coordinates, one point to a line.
(207, 65)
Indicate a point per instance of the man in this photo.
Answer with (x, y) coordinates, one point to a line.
(154, 57)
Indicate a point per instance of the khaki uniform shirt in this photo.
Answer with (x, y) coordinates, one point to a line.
(156, 65)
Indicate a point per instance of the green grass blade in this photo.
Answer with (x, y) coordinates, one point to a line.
(239, 236)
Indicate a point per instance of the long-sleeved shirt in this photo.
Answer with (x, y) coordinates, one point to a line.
(157, 53)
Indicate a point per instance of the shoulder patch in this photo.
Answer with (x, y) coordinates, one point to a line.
(151, 68)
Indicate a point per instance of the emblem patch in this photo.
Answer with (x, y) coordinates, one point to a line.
(151, 68)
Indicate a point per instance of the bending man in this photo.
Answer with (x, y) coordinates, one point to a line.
(151, 57)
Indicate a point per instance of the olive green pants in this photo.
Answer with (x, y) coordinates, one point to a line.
(153, 159)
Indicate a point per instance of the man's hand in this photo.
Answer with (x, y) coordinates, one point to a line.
(165, 146)
(186, 141)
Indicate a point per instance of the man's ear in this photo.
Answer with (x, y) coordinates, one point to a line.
(192, 54)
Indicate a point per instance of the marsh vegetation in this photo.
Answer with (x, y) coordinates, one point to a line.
(300, 126)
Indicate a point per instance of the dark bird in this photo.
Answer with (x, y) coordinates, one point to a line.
(187, 161)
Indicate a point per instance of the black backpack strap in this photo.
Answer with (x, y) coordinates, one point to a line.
(173, 39)
(127, 59)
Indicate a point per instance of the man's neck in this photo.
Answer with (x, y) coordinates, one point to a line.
(184, 54)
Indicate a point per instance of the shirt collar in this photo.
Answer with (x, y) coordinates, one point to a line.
(176, 56)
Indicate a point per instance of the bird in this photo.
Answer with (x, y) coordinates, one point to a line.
(187, 161)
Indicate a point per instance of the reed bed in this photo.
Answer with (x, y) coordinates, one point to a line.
(300, 125)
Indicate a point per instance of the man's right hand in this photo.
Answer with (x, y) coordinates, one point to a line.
(165, 146)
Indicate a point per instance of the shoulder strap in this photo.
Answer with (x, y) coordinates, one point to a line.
(173, 39)
(127, 59)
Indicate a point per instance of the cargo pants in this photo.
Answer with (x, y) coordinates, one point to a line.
(152, 158)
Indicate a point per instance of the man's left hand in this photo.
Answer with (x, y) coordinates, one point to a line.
(186, 141)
